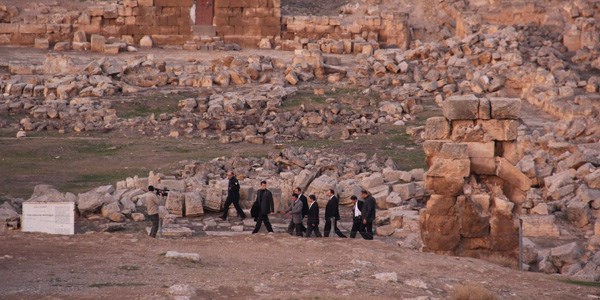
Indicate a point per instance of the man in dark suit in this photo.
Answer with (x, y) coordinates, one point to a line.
(368, 215)
(302, 198)
(332, 215)
(233, 197)
(264, 200)
(313, 217)
(357, 206)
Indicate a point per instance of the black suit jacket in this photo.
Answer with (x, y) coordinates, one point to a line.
(304, 204)
(233, 189)
(360, 205)
(264, 198)
(368, 210)
(313, 213)
(332, 209)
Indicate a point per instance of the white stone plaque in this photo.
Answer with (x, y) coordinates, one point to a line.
(48, 217)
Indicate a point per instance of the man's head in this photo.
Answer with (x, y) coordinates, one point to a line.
(263, 185)
(151, 188)
(298, 190)
(354, 198)
(230, 175)
(312, 198)
(364, 194)
(294, 197)
(330, 193)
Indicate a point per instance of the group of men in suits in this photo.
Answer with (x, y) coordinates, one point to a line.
(363, 211)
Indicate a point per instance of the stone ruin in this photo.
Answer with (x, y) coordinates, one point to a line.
(475, 187)
(499, 51)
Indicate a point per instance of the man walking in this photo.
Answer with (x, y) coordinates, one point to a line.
(265, 205)
(357, 206)
(313, 217)
(233, 196)
(296, 212)
(302, 198)
(368, 215)
(332, 215)
(152, 202)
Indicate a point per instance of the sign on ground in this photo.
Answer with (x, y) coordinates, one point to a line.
(48, 217)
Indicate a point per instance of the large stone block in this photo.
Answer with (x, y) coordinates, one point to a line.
(194, 204)
(453, 151)
(505, 108)
(452, 186)
(450, 168)
(466, 131)
(405, 191)
(593, 179)
(511, 174)
(540, 226)
(566, 254)
(500, 130)
(175, 203)
(578, 213)
(97, 43)
(32, 28)
(504, 234)
(375, 179)
(441, 205)
(9, 28)
(461, 107)
(173, 184)
(432, 148)
(439, 233)
(436, 128)
(509, 150)
(474, 223)
(213, 199)
(480, 150)
(484, 109)
(395, 175)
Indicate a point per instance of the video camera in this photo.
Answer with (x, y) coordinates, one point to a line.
(162, 192)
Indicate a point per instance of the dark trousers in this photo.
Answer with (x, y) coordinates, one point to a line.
(327, 228)
(295, 226)
(367, 230)
(154, 220)
(261, 219)
(236, 204)
(356, 226)
(314, 227)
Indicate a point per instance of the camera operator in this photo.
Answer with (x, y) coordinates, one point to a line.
(152, 202)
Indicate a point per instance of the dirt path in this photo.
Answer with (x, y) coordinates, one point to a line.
(128, 266)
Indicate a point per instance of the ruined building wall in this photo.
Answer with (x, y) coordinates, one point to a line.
(475, 187)
(246, 22)
(330, 32)
(576, 20)
(166, 21)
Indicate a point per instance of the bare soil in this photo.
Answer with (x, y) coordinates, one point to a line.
(133, 266)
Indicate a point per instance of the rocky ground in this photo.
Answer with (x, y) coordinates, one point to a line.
(110, 125)
(131, 265)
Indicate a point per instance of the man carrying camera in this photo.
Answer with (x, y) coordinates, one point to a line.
(152, 202)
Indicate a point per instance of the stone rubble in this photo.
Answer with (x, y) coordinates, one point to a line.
(486, 169)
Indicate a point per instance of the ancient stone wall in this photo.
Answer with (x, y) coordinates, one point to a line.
(337, 35)
(575, 19)
(247, 22)
(471, 153)
(166, 21)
